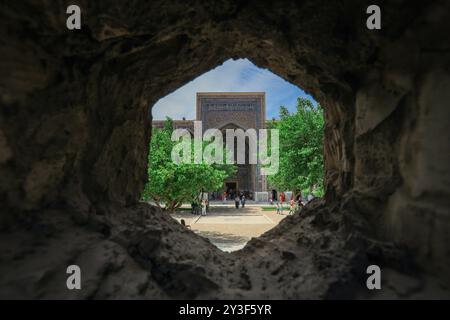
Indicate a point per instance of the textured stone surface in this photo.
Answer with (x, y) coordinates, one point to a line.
(74, 129)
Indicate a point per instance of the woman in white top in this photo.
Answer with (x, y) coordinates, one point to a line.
(203, 207)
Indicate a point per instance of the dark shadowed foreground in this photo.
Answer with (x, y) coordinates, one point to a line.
(74, 130)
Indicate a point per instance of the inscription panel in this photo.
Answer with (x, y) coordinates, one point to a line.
(230, 105)
(245, 110)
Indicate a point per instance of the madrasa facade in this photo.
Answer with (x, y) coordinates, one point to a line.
(231, 110)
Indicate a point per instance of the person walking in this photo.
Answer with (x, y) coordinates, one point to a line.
(236, 201)
(279, 208)
(281, 200)
(203, 207)
(292, 206)
(243, 201)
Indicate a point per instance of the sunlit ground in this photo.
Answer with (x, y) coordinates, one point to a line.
(229, 228)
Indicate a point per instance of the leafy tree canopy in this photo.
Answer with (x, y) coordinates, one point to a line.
(170, 184)
(301, 149)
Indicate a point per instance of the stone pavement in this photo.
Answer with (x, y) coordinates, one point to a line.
(229, 228)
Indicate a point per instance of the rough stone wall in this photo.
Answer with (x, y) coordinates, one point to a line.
(74, 119)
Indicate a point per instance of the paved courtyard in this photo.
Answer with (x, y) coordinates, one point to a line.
(229, 228)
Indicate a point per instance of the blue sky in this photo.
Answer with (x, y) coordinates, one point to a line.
(232, 76)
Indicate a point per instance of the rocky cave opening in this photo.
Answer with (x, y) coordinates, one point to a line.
(73, 149)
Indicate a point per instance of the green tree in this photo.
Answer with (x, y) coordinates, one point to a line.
(170, 184)
(301, 149)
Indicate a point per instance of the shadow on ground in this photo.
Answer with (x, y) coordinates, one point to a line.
(224, 241)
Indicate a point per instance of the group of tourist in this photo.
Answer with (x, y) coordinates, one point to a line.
(294, 204)
(239, 198)
(200, 207)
